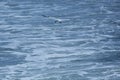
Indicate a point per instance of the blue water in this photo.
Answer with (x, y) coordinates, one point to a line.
(59, 39)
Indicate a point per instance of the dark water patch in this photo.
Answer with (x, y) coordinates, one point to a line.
(4, 43)
(73, 77)
(23, 50)
(6, 49)
(7, 59)
(100, 57)
(108, 56)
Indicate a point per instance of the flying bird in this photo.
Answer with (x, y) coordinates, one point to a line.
(57, 20)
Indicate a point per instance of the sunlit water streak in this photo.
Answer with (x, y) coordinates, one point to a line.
(59, 40)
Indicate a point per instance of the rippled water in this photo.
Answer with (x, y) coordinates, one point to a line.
(59, 39)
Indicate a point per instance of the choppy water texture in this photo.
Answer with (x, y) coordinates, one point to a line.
(59, 39)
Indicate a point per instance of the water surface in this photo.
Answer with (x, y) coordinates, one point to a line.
(59, 40)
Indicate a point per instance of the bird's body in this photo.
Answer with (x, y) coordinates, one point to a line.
(56, 19)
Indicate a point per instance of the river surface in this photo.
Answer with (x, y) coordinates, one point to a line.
(59, 39)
